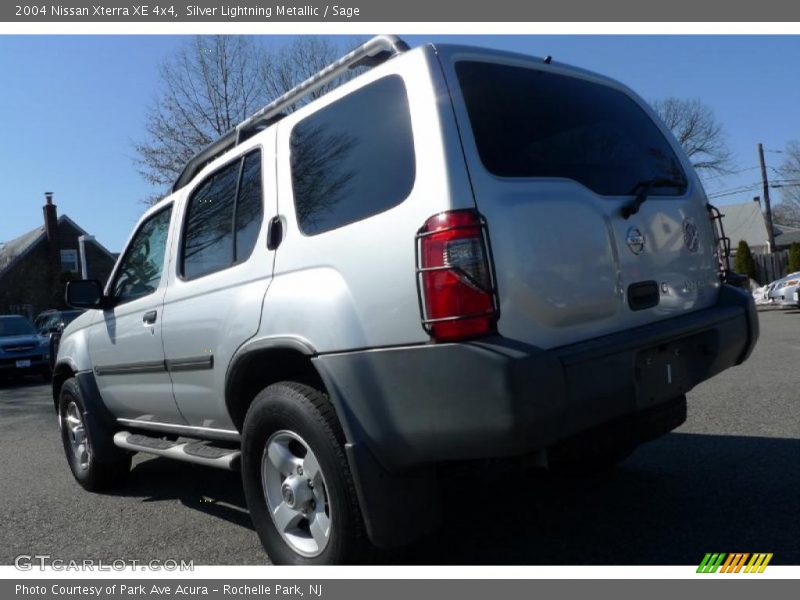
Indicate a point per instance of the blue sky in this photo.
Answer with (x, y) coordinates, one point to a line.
(71, 108)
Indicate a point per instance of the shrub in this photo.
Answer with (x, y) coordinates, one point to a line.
(794, 257)
(744, 262)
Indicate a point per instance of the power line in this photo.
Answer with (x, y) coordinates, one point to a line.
(733, 191)
(723, 175)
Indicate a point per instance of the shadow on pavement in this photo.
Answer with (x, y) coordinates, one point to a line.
(671, 502)
(213, 491)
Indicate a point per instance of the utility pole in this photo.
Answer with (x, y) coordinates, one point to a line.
(765, 184)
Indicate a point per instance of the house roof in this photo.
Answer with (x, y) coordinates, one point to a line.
(744, 222)
(785, 235)
(14, 250)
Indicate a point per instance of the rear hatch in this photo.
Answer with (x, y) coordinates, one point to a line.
(558, 159)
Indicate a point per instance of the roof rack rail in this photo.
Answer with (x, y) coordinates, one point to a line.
(370, 53)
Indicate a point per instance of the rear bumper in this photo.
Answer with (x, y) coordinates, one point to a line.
(498, 397)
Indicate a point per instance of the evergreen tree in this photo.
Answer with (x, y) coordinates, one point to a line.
(744, 262)
(794, 257)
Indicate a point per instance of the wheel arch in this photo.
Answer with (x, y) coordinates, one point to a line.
(260, 363)
(63, 370)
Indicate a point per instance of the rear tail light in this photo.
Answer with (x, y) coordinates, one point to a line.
(458, 298)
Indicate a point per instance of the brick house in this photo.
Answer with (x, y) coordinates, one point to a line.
(35, 266)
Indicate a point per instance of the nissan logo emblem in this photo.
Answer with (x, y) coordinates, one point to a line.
(635, 240)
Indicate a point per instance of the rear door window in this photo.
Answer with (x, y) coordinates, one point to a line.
(208, 243)
(530, 123)
(223, 218)
(353, 158)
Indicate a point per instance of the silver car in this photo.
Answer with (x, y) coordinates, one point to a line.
(458, 255)
(784, 292)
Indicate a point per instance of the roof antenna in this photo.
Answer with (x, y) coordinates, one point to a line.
(548, 59)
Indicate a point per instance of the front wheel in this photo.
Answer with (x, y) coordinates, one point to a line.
(296, 479)
(95, 463)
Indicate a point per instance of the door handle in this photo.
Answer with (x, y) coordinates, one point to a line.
(149, 317)
(274, 233)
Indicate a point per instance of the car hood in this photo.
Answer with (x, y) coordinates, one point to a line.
(19, 340)
(80, 322)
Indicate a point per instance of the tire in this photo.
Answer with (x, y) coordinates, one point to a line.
(291, 425)
(93, 459)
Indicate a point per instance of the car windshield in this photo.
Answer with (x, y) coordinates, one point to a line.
(531, 123)
(70, 315)
(15, 326)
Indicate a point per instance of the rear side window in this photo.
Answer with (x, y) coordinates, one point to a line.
(353, 158)
(223, 218)
(530, 123)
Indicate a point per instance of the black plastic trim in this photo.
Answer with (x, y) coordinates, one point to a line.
(92, 399)
(498, 397)
(192, 363)
(151, 366)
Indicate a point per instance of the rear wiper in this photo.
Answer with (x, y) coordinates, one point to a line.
(642, 190)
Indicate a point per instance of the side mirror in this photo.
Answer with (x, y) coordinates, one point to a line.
(85, 293)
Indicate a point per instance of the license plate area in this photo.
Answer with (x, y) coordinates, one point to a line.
(22, 364)
(671, 369)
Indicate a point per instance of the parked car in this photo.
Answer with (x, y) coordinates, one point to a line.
(460, 255)
(761, 294)
(22, 350)
(54, 319)
(51, 323)
(784, 292)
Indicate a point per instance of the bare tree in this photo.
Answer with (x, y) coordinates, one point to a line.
(211, 84)
(788, 181)
(299, 60)
(698, 131)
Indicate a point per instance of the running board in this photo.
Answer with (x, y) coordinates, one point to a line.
(193, 451)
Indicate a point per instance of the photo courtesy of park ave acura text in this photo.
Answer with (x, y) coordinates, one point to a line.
(400, 300)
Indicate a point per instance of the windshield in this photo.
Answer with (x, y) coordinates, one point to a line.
(530, 123)
(70, 315)
(15, 326)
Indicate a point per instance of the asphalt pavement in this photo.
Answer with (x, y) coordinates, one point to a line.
(726, 481)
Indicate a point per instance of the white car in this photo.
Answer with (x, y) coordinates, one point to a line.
(784, 292)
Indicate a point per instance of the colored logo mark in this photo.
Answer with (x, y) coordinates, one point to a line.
(735, 562)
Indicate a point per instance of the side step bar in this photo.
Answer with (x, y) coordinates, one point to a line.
(193, 451)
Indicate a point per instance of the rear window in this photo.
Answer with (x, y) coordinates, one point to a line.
(530, 123)
(353, 158)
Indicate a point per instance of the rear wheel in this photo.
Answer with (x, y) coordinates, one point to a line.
(95, 463)
(296, 478)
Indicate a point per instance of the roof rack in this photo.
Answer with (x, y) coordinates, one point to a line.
(370, 53)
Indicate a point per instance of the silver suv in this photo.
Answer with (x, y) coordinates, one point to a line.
(457, 255)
